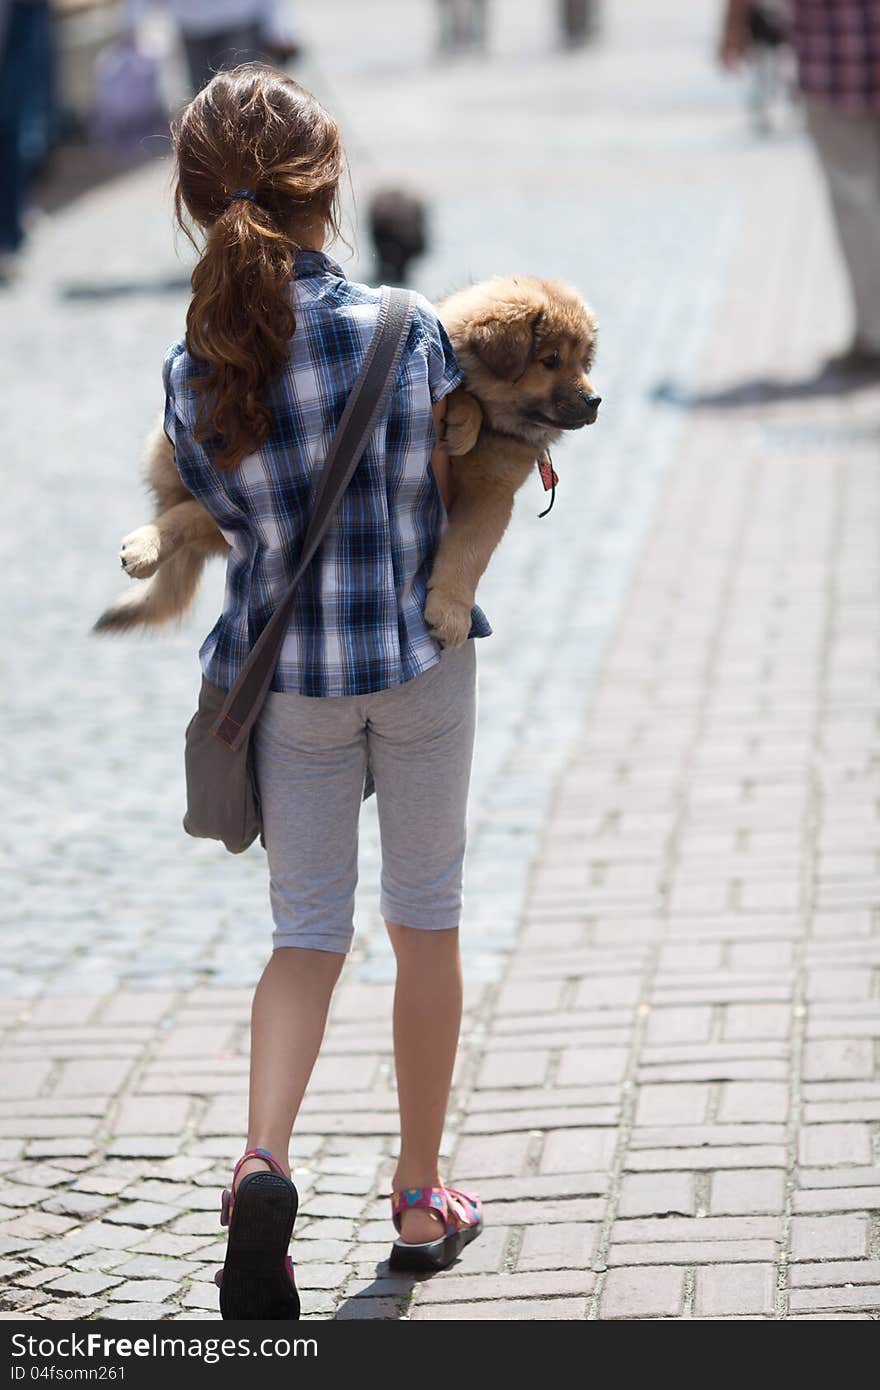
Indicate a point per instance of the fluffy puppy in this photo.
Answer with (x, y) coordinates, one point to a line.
(526, 347)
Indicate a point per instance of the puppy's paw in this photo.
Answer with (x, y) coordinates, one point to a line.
(139, 552)
(463, 422)
(449, 620)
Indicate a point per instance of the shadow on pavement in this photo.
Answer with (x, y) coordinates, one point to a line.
(827, 381)
(372, 1302)
(76, 166)
(124, 289)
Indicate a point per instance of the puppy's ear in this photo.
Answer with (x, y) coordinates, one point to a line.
(505, 343)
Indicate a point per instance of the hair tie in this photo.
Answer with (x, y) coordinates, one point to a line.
(242, 193)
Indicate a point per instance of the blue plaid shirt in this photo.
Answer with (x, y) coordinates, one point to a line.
(357, 623)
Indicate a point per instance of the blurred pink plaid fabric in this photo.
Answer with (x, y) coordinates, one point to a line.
(838, 50)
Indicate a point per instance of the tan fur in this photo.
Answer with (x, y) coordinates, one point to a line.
(501, 330)
(514, 408)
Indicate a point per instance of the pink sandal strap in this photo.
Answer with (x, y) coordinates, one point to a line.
(458, 1209)
(465, 1207)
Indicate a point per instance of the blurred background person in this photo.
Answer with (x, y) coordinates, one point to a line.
(462, 24)
(222, 33)
(26, 107)
(837, 46)
(768, 23)
(578, 21)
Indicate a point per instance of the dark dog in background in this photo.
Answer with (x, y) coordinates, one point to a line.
(398, 226)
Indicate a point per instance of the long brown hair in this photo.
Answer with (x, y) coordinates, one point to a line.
(251, 129)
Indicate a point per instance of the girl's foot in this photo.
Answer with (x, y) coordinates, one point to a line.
(259, 1208)
(450, 1220)
(417, 1224)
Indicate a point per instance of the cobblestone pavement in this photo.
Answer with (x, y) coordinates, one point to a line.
(667, 1090)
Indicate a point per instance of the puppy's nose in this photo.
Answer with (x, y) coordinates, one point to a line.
(594, 401)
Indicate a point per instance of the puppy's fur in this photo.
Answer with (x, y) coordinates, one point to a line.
(526, 347)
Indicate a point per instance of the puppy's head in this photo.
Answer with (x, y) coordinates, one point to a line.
(527, 347)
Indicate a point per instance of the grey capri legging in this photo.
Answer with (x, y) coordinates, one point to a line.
(311, 757)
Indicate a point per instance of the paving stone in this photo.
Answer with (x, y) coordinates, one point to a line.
(68, 1309)
(709, 1158)
(143, 1291)
(733, 1290)
(16, 1302)
(78, 1204)
(154, 1267)
(136, 1312)
(840, 1177)
(672, 1104)
(462, 1288)
(94, 1077)
(142, 1146)
(835, 1144)
(369, 1309)
(505, 1310)
(753, 1101)
(657, 1194)
(829, 1237)
(82, 1283)
(741, 1193)
(555, 1247)
(843, 1057)
(143, 1115)
(830, 1273)
(104, 1261)
(143, 1214)
(711, 1228)
(38, 1277)
(513, 1069)
(574, 1150)
(855, 1296)
(643, 1293)
(164, 1243)
(697, 1252)
(492, 1155)
(838, 1199)
(201, 1296)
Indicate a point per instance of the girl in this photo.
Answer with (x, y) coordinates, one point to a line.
(275, 338)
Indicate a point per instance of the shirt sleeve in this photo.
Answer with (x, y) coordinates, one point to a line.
(190, 458)
(444, 373)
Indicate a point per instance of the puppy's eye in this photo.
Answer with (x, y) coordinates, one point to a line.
(551, 362)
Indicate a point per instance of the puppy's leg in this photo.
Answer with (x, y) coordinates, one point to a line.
(462, 423)
(479, 517)
(188, 523)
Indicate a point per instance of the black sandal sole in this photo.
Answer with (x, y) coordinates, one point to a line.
(255, 1282)
(433, 1256)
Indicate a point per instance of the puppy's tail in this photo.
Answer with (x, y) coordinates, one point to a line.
(166, 596)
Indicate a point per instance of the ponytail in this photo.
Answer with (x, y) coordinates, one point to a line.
(285, 151)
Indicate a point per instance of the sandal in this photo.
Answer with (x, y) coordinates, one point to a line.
(256, 1280)
(462, 1214)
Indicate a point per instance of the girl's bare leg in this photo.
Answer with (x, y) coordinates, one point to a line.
(427, 1019)
(288, 1017)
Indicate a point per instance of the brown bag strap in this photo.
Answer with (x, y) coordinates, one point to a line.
(359, 419)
